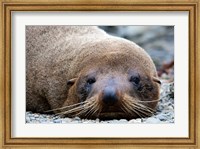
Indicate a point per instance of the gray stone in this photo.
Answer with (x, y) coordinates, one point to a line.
(32, 118)
(57, 121)
(28, 119)
(153, 120)
(77, 118)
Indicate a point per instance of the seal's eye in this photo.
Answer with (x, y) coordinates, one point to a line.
(91, 80)
(135, 80)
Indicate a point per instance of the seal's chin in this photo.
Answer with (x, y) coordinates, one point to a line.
(111, 115)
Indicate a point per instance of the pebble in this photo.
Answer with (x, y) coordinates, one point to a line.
(162, 117)
(57, 120)
(28, 120)
(123, 121)
(36, 116)
(42, 120)
(77, 119)
(134, 121)
(74, 122)
(32, 117)
(152, 120)
(67, 120)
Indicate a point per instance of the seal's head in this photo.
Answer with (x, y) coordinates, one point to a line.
(114, 85)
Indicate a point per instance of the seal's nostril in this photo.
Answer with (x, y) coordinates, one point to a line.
(110, 96)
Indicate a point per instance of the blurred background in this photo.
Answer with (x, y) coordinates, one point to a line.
(158, 41)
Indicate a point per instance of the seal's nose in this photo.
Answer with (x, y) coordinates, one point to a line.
(110, 96)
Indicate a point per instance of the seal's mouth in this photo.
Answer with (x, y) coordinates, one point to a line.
(111, 112)
(111, 109)
(111, 115)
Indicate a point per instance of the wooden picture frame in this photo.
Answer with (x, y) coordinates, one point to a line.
(192, 7)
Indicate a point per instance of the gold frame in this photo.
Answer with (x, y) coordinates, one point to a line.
(192, 6)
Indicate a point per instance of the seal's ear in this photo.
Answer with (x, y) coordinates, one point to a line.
(156, 80)
(71, 81)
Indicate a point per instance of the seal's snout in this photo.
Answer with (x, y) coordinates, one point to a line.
(110, 96)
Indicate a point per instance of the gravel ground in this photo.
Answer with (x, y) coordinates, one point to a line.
(164, 112)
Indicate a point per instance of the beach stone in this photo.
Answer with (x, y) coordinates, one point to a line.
(77, 119)
(152, 120)
(57, 121)
(32, 118)
(28, 119)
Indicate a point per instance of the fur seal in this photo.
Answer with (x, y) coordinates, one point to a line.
(82, 71)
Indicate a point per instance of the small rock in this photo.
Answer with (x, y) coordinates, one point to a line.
(113, 121)
(97, 120)
(42, 121)
(74, 122)
(85, 122)
(133, 121)
(77, 119)
(57, 121)
(36, 115)
(153, 120)
(67, 120)
(162, 117)
(32, 118)
(122, 121)
(28, 119)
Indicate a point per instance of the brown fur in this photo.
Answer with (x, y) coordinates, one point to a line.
(57, 54)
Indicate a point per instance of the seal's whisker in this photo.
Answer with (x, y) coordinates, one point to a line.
(142, 115)
(138, 109)
(88, 111)
(129, 107)
(95, 109)
(138, 103)
(99, 110)
(76, 109)
(145, 108)
(142, 111)
(126, 105)
(87, 107)
(65, 107)
(70, 111)
(94, 106)
(149, 101)
(136, 113)
(126, 110)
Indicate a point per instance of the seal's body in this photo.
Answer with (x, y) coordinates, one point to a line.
(82, 71)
